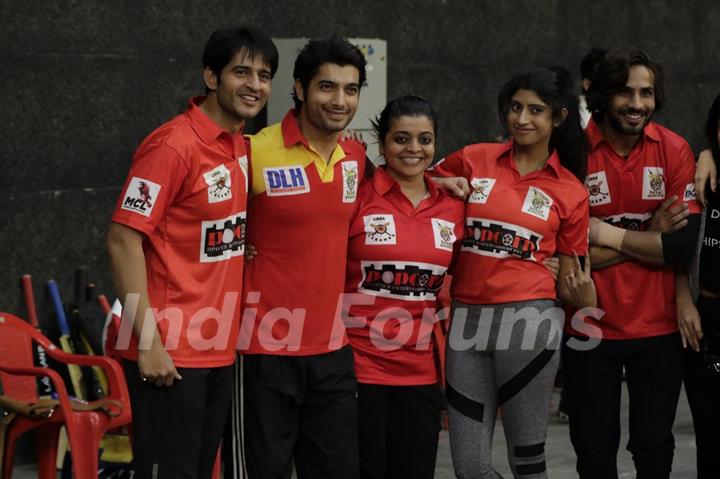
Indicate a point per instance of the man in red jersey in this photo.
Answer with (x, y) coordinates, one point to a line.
(299, 387)
(176, 244)
(635, 169)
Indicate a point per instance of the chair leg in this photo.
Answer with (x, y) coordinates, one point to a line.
(7, 460)
(84, 436)
(47, 444)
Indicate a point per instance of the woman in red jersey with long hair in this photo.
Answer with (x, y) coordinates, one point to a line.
(527, 202)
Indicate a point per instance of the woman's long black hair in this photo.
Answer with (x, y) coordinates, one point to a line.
(711, 130)
(554, 86)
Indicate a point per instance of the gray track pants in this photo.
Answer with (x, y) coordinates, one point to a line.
(501, 356)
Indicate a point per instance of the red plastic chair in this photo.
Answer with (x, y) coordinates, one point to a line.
(85, 429)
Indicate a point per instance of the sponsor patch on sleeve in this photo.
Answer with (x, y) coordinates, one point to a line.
(140, 196)
(379, 229)
(689, 192)
(444, 232)
(287, 180)
(219, 184)
(537, 203)
(480, 189)
(350, 181)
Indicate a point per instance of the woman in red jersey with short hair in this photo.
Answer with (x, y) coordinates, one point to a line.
(402, 236)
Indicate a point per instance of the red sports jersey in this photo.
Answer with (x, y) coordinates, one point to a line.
(397, 259)
(638, 299)
(298, 216)
(513, 223)
(187, 192)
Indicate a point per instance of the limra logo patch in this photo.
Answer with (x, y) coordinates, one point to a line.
(219, 184)
(480, 189)
(598, 188)
(222, 239)
(288, 180)
(379, 229)
(140, 196)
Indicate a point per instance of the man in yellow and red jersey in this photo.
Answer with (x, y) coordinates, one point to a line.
(176, 243)
(635, 167)
(299, 388)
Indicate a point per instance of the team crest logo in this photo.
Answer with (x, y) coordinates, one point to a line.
(689, 192)
(537, 203)
(653, 183)
(140, 196)
(444, 234)
(379, 229)
(480, 189)
(598, 189)
(350, 181)
(218, 181)
(243, 162)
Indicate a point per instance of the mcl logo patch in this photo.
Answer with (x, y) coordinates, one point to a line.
(140, 196)
(288, 180)
(222, 239)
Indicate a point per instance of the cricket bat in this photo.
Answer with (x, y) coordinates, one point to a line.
(45, 387)
(66, 343)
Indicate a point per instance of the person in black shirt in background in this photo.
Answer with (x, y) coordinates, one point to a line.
(698, 304)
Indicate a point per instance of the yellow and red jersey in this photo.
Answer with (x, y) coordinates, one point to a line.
(397, 261)
(187, 193)
(638, 299)
(513, 223)
(298, 214)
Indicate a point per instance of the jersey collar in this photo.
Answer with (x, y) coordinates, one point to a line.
(384, 183)
(292, 135)
(206, 129)
(552, 164)
(595, 137)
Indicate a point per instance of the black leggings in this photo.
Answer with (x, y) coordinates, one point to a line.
(703, 392)
(398, 430)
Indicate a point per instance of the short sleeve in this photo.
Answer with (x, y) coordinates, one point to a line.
(574, 230)
(681, 182)
(156, 175)
(455, 164)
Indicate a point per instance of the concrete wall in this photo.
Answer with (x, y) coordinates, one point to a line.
(82, 82)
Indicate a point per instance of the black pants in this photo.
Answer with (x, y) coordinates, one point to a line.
(653, 368)
(703, 392)
(177, 430)
(398, 430)
(301, 408)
